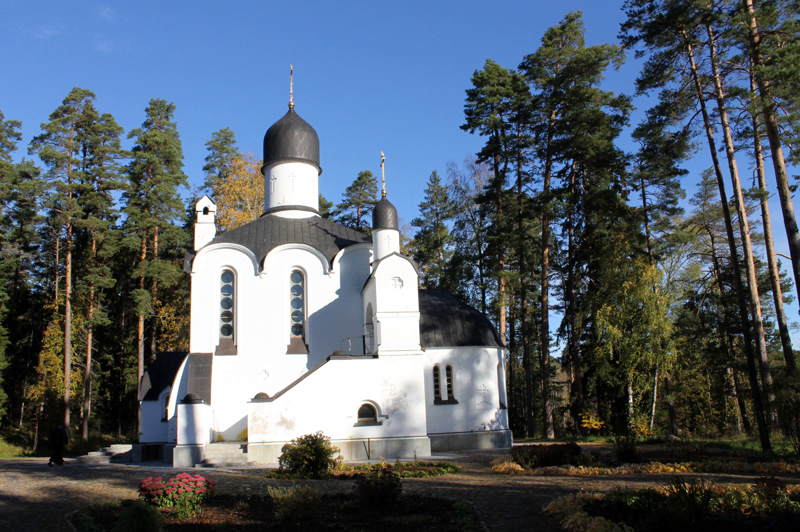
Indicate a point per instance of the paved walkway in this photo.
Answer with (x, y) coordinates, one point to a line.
(36, 497)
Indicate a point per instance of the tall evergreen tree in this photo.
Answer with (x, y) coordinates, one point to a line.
(222, 151)
(564, 75)
(59, 149)
(9, 136)
(433, 241)
(99, 178)
(152, 205)
(357, 203)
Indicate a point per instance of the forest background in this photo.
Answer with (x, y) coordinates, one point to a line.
(623, 305)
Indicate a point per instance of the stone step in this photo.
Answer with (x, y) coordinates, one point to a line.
(225, 449)
(117, 453)
(205, 464)
(225, 455)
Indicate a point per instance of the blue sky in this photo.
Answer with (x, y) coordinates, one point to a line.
(369, 76)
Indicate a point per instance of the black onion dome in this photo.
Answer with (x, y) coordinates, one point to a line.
(384, 216)
(291, 139)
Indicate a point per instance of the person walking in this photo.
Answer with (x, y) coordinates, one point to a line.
(59, 438)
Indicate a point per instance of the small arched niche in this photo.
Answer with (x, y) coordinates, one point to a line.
(367, 415)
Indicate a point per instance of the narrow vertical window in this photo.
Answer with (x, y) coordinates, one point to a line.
(297, 310)
(437, 383)
(226, 314)
(297, 302)
(449, 374)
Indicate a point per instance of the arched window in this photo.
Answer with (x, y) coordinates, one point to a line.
(165, 407)
(297, 309)
(500, 387)
(438, 386)
(367, 415)
(227, 313)
(449, 373)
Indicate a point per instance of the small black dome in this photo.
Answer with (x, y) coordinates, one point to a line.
(384, 216)
(291, 139)
(192, 399)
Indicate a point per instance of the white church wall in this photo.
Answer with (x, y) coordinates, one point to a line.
(152, 428)
(476, 387)
(329, 399)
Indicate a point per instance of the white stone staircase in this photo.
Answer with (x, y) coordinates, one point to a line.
(116, 454)
(226, 454)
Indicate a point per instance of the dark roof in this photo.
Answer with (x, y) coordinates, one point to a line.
(270, 231)
(291, 139)
(447, 322)
(384, 215)
(160, 374)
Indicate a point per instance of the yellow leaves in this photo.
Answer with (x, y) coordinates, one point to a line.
(569, 511)
(707, 466)
(507, 467)
(173, 323)
(240, 196)
(591, 421)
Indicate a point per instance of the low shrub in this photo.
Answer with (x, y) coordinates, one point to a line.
(185, 492)
(140, 517)
(624, 447)
(693, 504)
(693, 499)
(558, 454)
(309, 456)
(295, 502)
(379, 486)
(507, 467)
(416, 469)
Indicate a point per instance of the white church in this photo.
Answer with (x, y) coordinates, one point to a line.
(300, 325)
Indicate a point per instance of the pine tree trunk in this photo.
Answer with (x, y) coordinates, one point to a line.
(544, 356)
(725, 339)
(740, 296)
(772, 263)
(140, 340)
(154, 299)
(737, 388)
(87, 379)
(68, 324)
(574, 355)
(744, 229)
(523, 302)
(773, 135)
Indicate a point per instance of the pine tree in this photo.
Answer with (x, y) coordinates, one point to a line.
(101, 154)
(433, 241)
(222, 151)
(152, 205)
(326, 209)
(9, 136)
(59, 149)
(357, 203)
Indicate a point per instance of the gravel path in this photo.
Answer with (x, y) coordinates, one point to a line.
(36, 497)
